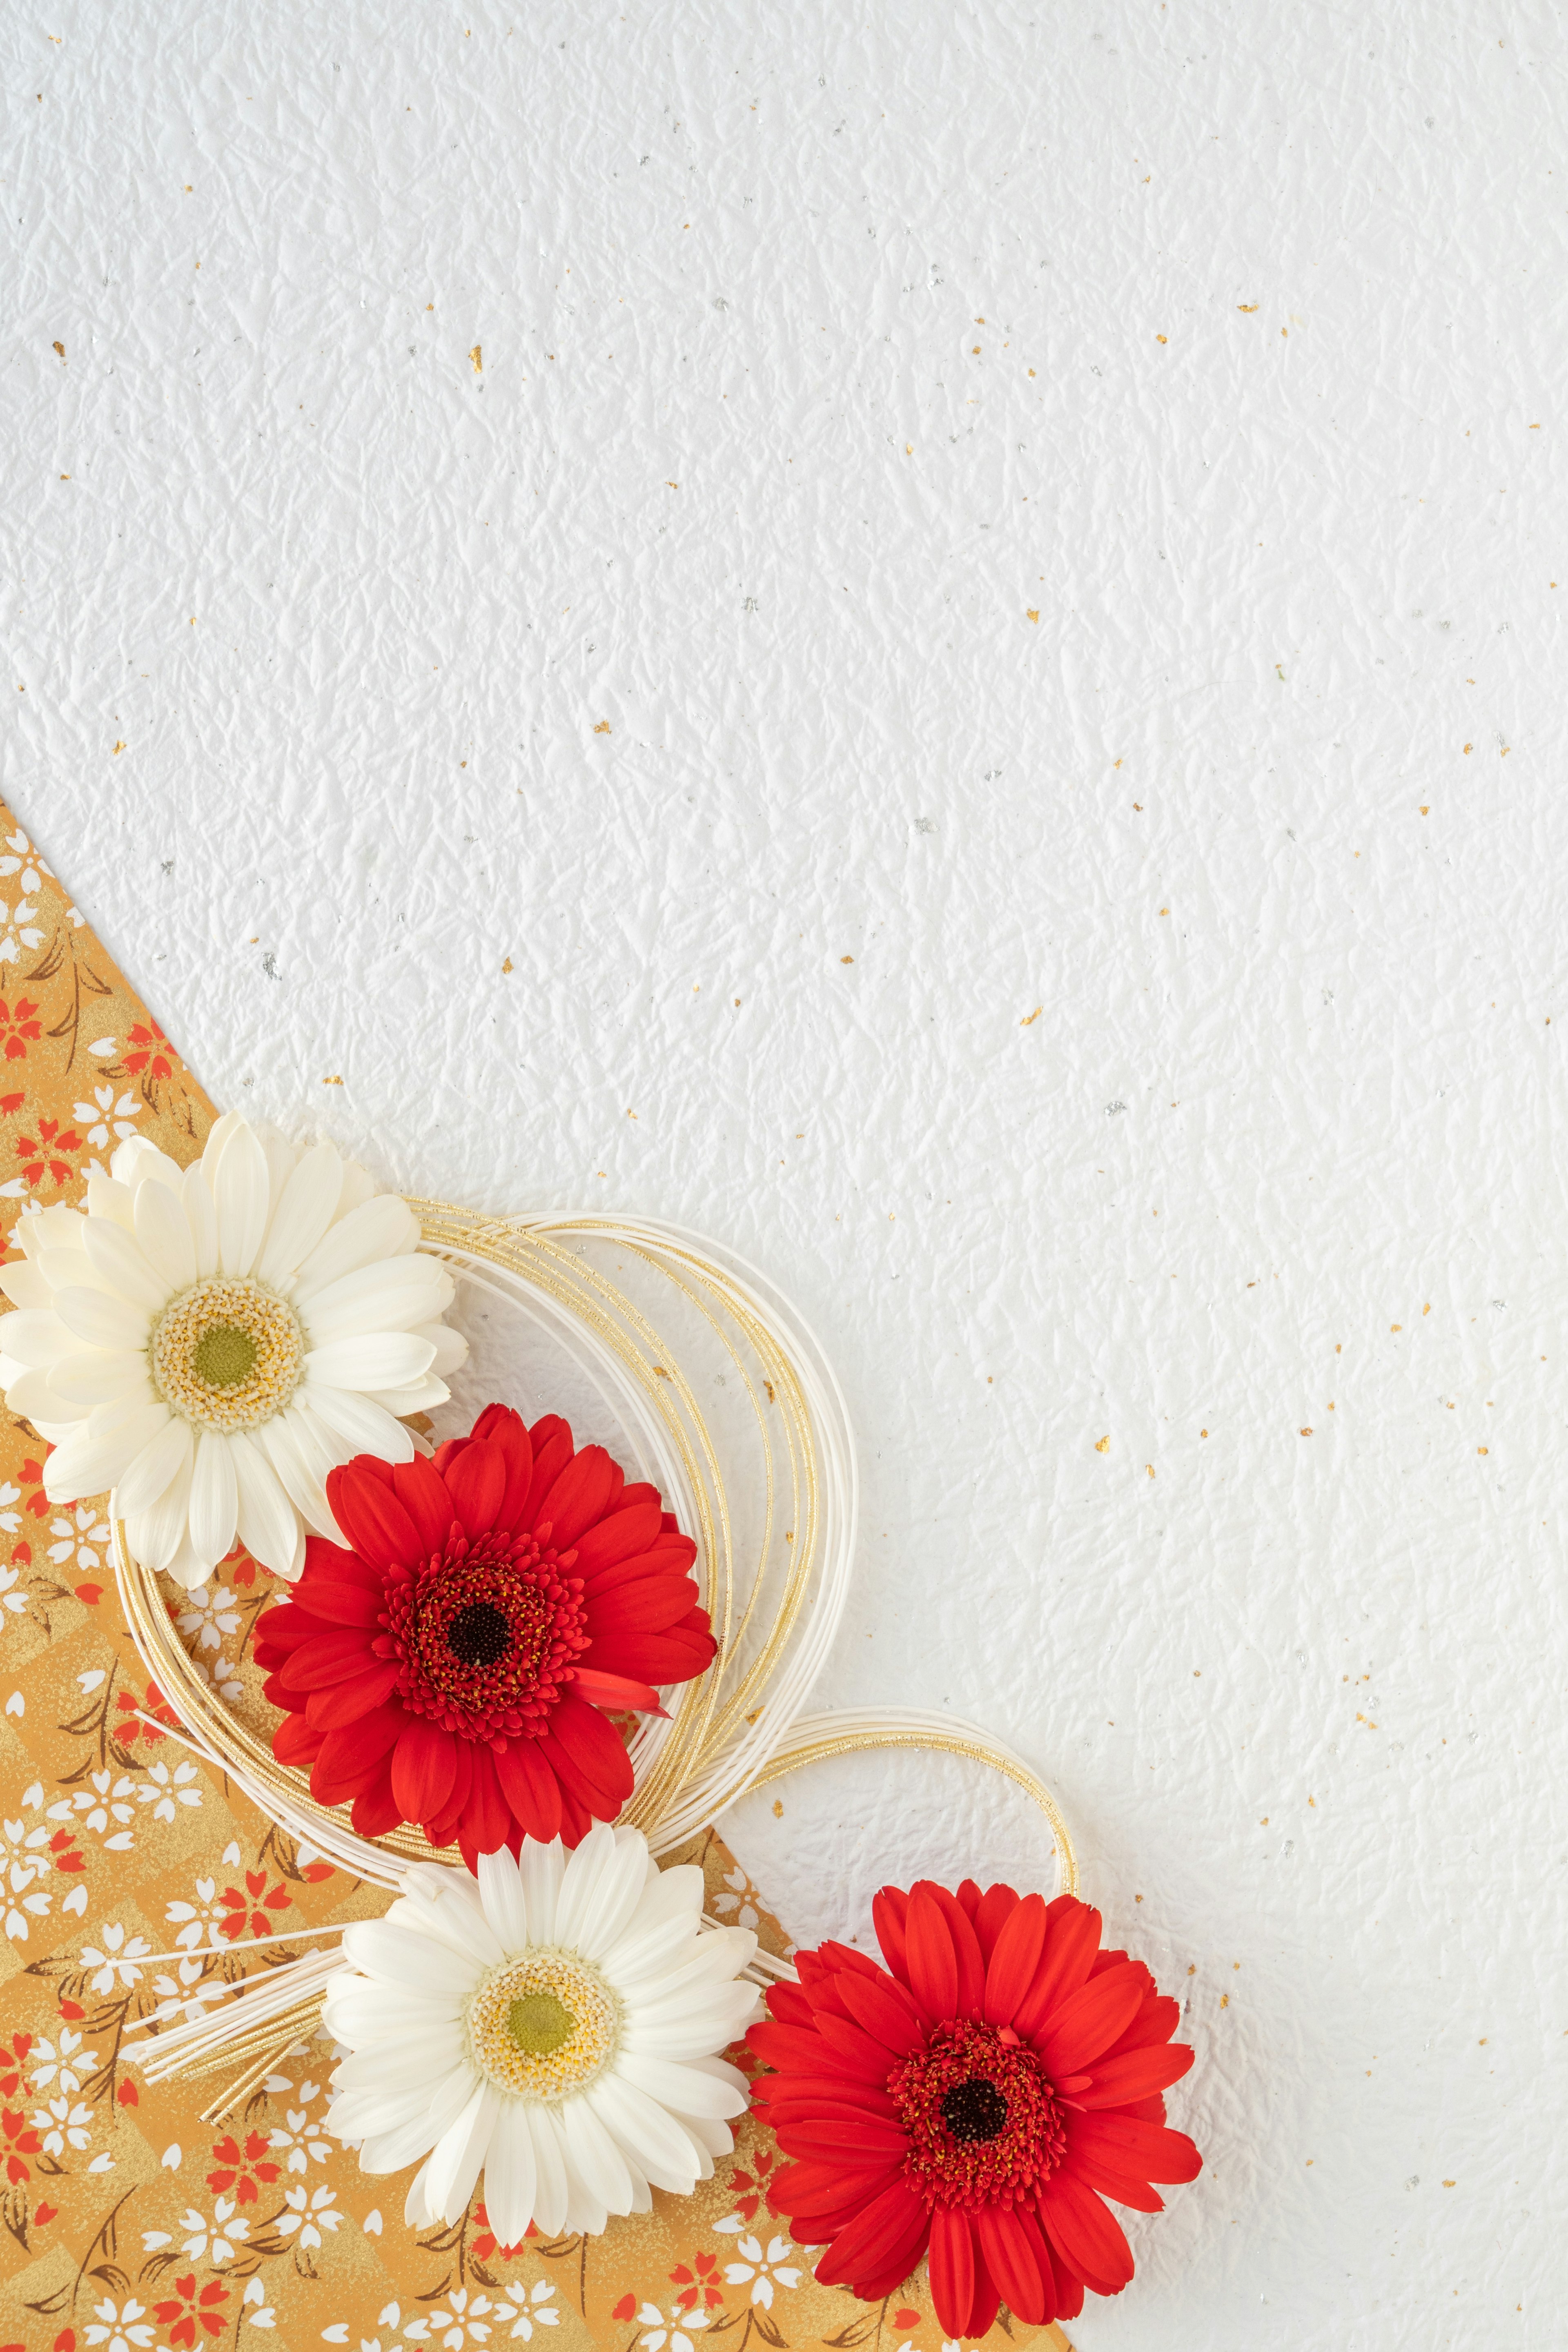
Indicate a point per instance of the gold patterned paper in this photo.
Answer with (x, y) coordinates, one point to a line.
(135, 1876)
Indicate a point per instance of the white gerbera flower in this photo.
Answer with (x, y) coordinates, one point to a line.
(558, 2024)
(212, 1341)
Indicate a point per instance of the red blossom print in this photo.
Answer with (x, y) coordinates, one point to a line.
(44, 2214)
(237, 1905)
(12, 2062)
(902, 2319)
(43, 1151)
(11, 1103)
(702, 2288)
(62, 1846)
(459, 1664)
(17, 1026)
(191, 2310)
(20, 2140)
(753, 2189)
(151, 1703)
(978, 2098)
(240, 2169)
(31, 1473)
(128, 2095)
(152, 1051)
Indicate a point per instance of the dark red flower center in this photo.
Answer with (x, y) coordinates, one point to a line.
(985, 2126)
(485, 1630)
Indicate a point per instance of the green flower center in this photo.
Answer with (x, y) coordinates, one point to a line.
(539, 2023)
(224, 1355)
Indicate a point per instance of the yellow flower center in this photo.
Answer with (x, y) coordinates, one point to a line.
(544, 2026)
(226, 1354)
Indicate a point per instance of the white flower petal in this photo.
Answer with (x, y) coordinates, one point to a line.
(682, 2088)
(100, 1375)
(266, 1521)
(137, 1161)
(511, 2176)
(217, 1136)
(242, 1196)
(24, 1285)
(196, 1200)
(595, 2158)
(501, 1891)
(104, 1321)
(162, 1462)
(281, 1157)
(419, 2065)
(122, 1265)
(360, 2013)
(420, 1396)
(380, 1228)
(307, 1208)
(163, 1231)
(366, 1428)
(215, 1499)
(86, 1465)
(550, 2195)
(455, 2158)
(297, 1451)
(106, 1197)
(606, 1910)
(31, 1393)
(373, 1359)
(451, 1347)
(35, 1335)
(540, 1866)
(406, 1959)
(155, 1535)
(391, 1295)
(651, 2136)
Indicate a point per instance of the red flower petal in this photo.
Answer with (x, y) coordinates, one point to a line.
(1115, 2082)
(343, 1703)
(422, 1491)
(371, 1515)
(333, 1658)
(889, 1909)
(1089, 2238)
(598, 1764)
(1089, 2020)
(952, 2271)
(933, 1962)
(344, 1604)
(296, 1741)
(584, 1492)
(476, 1482)
(530, 1788)
(619, 1692)
(374, 1810)
(487, 1817)
(892, 2229)
(997, 1905)
(505, 1428)
(1072, 1939)
(1014, 1960)
(885, 2010)
(623, 1534)
(423, 1767)
(1011, 2259)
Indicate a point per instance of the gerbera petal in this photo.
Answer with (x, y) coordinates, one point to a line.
(476, 1482)
(951, 2269)
(1089, 2020)
(1072, 1939)
(1118, 2082)
(368, 1428)
(549, 2168)
(148, 1477)
(423, 1768)
(268, 1523)
(373, 1359)
(530, 1788)
(1014, 1960)
(374, 1810)
(510, 2174)
(884, 2009)
(340, 1703)
(101, 1319)
(996, 1906)
(931, 1960)
(405, 1957)
(606, 1910)
(242, 1194)
(98, 1375)
(392, 1296)
(1012, 2261)
(155, 1532)
(501, 1892)
(586, 1489)
(550, 1440)
(422, 1491)
(505, 1429)
(334, 1656)
(654, 2139)
(201, 1216)
(487, 1817)
(84, 1464)
(308, 1204)
(685, 2088)
(122, 1265)
(595, 2157)
(625, 1535)
(371, 1518)
(375, 1229)
(1089, 2237)
(892, 2230)
(600, 1767)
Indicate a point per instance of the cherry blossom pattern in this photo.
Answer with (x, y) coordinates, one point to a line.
(19, 1027)
(698, 2286)
(216, 2241)
(20, 2140)
(461, 2319)
(208, 1617)
(150, 1050)
(78, 1547)
(671, 2334)
(761, 2270)
(191, 2309)
(105, 1116)
(48, 1153)
(739, 1903)
(14, 2063)
(27, 1857)
(63, 2123)
(116, 1963)
(533, 2307)
(751, 2188)
(65, 2065)
(243, 2169)
(127, 1706)
(120, 2326)
(310, 2212)
(300, 2137)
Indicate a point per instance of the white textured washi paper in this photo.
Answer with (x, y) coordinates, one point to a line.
(928, 640)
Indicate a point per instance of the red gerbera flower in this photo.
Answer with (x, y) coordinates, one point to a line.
(979, 2101)
(451, 1667)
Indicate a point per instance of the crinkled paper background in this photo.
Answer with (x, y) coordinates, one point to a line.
(926, 640)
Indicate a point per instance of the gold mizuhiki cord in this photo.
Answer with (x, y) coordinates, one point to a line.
(739, 1726)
